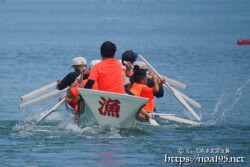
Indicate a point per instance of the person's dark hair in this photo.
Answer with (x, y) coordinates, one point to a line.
(129, 55)
(139, 75)
(108, 49)
(136, 68)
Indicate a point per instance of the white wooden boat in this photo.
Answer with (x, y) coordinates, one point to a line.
(110, 109)
(117, 110)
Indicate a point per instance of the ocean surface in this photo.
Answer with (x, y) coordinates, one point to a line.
(191, 41)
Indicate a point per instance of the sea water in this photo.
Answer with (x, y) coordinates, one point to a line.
(191, 41)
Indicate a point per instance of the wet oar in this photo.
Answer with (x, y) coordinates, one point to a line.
(160, 114)
(153, 122)
(41, 99)
(52, 110)
(177, 119)
(172, 91)
(39, 91)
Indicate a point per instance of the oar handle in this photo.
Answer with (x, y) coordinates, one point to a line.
(81, 79)
(157, 74)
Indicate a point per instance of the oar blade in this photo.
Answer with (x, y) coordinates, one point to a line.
(153, 122)
(184, 103)
(176, 83)
(178, 119)
(52, 110)
(40, 99)
(160, 114)
(39, 91)
(189, 100)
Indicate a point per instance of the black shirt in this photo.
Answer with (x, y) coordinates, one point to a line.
(69, 79)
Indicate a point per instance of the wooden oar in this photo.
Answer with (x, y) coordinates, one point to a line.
(39, 91)
(153, 122)
(186, 98)
(173, 92)
(171, 81)
(41, 99)
(177, 119)
(176, 83)
(160, 114)
(52, 110)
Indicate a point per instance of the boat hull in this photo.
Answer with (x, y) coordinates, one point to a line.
(110, 109)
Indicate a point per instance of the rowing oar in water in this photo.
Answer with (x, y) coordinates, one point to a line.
(52, 110)
(177, 119)
(153, 122)
(172, 91)
(172, 117)
(149, 115)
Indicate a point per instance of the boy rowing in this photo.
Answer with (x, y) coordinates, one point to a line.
(141, 89)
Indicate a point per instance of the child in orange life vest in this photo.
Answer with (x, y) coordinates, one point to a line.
(127, 88)
(141, 89)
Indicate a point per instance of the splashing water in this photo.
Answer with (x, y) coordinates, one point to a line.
(226, 103)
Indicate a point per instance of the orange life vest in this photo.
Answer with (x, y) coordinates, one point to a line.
(136, 90)
(131, 73)
(73, 103)
(75, 92)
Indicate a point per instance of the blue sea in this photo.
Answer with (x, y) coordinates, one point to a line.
(192, 41)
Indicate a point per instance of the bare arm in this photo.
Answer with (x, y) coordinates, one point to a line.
(144, 112)
(129, 66)
(156, 86)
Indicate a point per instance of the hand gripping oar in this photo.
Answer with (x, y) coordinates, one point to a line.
(52, 110)
(172, 91)
(174, 82)
(39, 91)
